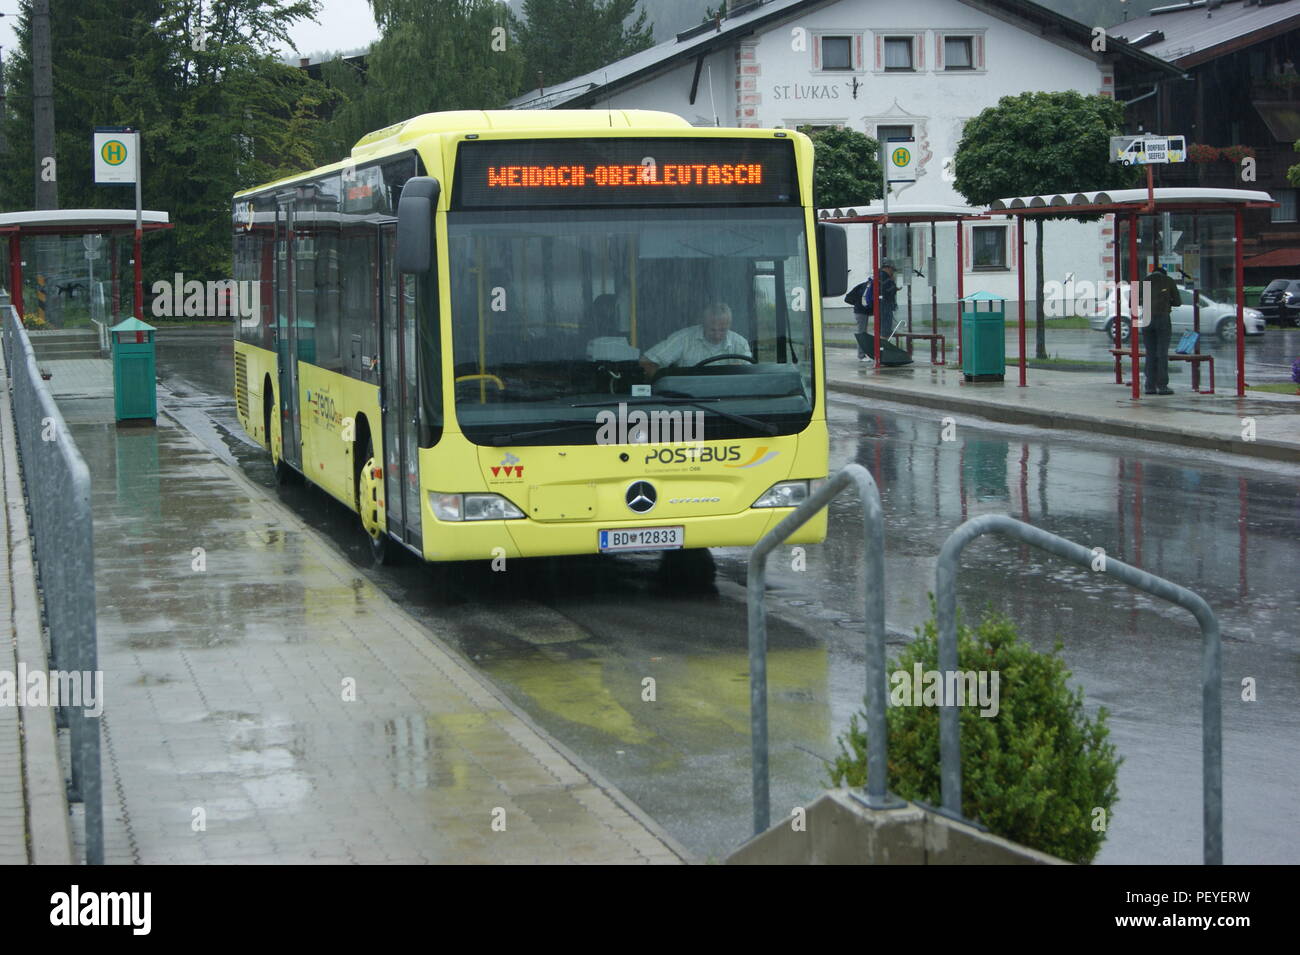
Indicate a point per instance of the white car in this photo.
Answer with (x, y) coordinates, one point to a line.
(1217, 319)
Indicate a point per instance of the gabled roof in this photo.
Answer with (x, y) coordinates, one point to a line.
(755, 17)
(1192, 33)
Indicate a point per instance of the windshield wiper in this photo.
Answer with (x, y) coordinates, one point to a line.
(680, 398)
(503, 439)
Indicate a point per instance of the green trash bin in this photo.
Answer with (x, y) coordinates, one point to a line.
(983, 334)
(135, 395)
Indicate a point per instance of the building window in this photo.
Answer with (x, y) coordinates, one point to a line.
(958, 53)
(837, 53)
(886, 133)
(1286, 211)
(898, 53)
(989, 244)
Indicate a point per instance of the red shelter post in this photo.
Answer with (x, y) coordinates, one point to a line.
(1020, 279)
(16, 272)
(875, 288)
(1241, 306)
(1134, 284)
(961, 285)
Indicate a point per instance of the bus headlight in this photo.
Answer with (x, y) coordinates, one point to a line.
(784, 494)
(472, 507)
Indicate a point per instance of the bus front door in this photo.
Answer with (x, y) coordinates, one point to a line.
(286, 337)
(398, 368)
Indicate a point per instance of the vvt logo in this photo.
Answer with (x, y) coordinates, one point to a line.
(509, 466)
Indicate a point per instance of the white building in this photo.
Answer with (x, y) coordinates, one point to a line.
(890, 69)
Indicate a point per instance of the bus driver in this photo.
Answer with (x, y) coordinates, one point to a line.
(692, 345)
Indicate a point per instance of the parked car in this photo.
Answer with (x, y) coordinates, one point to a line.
(1217, 319)
(1279, 303)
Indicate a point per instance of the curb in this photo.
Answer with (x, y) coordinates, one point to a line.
(1267, 450)
(49, 833)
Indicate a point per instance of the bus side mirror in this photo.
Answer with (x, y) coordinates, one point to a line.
(832, 259)
(415, 224)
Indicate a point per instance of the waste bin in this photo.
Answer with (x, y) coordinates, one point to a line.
(983, 333)
(135, 395)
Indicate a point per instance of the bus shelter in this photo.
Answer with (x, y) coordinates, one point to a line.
(61, 252)
(1199, 243)
(909, 214)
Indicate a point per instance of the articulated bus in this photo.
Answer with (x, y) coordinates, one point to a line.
(516, 334)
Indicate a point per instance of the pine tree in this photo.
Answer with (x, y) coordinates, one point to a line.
(561, 39)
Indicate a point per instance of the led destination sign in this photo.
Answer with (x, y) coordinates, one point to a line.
(648, 174)
(583, 172)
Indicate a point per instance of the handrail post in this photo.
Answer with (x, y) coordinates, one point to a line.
(1211, 656)
(873, 534)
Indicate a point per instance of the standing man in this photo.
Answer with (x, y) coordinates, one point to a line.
(888, 298)
(1163, 293)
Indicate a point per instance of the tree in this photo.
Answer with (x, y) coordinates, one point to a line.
(1036, 768)
(1037, 143)
(217, 110)
(846, 168)
(431, 55)
(561, 39)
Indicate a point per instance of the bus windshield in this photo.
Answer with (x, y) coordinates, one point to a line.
(560, 314)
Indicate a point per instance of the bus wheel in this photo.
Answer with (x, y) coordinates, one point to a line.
(370, 491)
(283, 472)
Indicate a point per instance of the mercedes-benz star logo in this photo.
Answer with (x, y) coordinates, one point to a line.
(640, 497)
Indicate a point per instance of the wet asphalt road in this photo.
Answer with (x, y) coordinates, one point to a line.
(571, 640)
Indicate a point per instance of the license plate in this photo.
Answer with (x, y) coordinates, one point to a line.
(642, 538)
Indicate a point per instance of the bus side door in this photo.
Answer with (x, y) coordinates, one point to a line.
(286, 337)
(400, 395)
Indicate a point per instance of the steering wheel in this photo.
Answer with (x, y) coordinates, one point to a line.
(712, 358)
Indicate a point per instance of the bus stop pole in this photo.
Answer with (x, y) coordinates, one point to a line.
(139, 233)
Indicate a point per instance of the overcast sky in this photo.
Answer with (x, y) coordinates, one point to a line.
(343, 25)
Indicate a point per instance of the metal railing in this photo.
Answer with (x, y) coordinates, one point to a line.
(873, 535)
(58, 494)
(1211, 657)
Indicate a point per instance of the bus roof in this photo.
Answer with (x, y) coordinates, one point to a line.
(544, 122)
(528, 120)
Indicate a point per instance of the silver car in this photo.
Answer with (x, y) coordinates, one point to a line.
(1217, 319)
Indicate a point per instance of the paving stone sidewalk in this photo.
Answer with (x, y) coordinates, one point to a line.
(267, 704)
(1084, 401)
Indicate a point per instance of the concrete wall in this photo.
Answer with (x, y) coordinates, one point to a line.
(841, 831)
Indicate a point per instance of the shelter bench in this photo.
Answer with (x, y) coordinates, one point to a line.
(1122, 353)
(943, 344)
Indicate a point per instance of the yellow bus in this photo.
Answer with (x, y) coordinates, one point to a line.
(515, 334)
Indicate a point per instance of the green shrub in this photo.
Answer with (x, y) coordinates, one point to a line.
(1034, 773)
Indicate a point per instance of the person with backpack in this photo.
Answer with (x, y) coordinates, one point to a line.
(862, 298)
